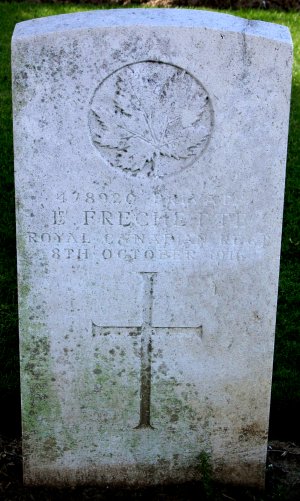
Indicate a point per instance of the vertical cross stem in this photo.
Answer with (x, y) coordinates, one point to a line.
(146, 349)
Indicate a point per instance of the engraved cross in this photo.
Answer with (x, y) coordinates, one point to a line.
(146, 330)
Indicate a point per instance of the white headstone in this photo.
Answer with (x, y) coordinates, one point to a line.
(150, 150)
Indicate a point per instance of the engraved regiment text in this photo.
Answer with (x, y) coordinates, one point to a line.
(108, 225)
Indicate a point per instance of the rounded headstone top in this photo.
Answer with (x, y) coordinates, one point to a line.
(179, 18)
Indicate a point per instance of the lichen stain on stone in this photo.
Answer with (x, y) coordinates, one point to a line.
(253, 432)
(50, 449)
(40, 404)
(108, 387)
(172, 405)
(24, 275)
(20, 88)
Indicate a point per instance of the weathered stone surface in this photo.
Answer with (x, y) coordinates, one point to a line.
(150, 151)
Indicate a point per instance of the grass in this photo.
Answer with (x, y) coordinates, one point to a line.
(286, 382)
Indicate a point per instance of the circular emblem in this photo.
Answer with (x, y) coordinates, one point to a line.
(150, 118)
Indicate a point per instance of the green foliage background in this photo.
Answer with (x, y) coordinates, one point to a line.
(286, 382)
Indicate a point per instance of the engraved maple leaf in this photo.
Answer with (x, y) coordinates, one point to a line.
(149, 117)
